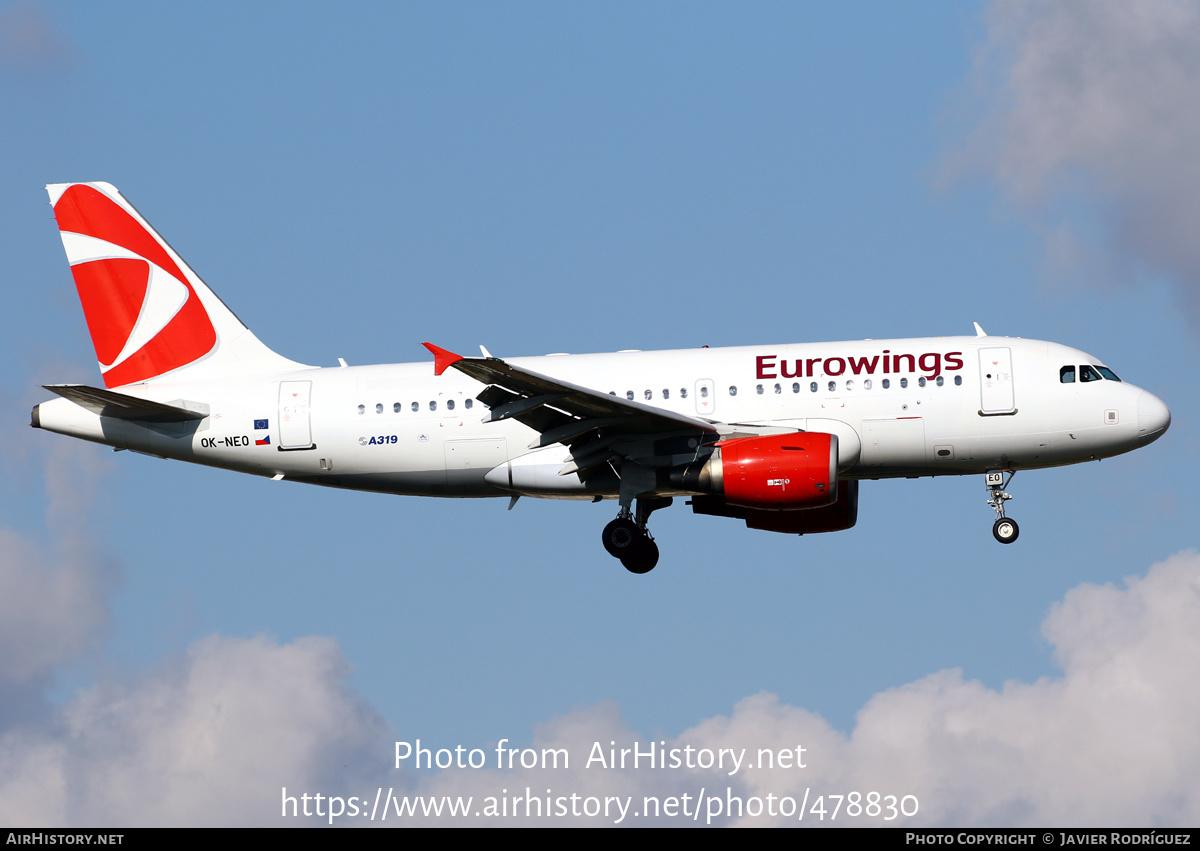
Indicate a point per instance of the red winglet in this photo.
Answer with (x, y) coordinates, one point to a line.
(442, 358)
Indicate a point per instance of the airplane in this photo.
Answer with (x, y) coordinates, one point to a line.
(778, 436)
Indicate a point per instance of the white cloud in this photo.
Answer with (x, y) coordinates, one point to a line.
(50, 606)
(1092, 107)
(1112, 742)
(53, 597)
(210, 739)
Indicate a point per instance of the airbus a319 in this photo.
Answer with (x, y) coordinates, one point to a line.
(778, 436)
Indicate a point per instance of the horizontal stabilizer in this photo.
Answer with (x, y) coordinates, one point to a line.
(107, 403)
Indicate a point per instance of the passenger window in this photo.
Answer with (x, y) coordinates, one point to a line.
(867, 384)
(903, 382)
(1066, 375)
(1086, 373)
(683, 393)
(666, 393)
(732, 390)
(958, 381)
(796, 387)
(629, 395)
(850, 384)
(703, 392)
(887, 382)
(433, 406)
(416, 406)
(758, 389)
(778, 389)
(396, 408)
(813, 387)
(921, 381)
(832, 386)
(449, 404)
(468, 403)
(379, 408)
(940, 381)
(362, 409)
(649, 394)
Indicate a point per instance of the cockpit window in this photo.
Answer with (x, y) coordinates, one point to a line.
(1107, 373)
(1086, 373)
(1067, 375)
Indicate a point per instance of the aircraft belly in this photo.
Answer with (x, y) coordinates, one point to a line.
(433, 482)
(1044, 449)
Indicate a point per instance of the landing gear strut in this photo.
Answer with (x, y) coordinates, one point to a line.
(627, 538)
(1005, 529)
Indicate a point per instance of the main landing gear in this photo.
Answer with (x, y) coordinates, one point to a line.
(628, 539)
(1005, 530)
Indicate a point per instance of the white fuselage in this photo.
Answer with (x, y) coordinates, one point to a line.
(906, 407)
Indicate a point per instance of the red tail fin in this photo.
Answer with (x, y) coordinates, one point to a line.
(148, 313)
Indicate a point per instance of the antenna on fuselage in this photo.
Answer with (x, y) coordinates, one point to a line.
(979, 332)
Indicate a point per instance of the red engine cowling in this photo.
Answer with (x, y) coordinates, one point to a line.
(779, 472)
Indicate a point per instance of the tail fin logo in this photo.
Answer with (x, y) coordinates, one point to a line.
(144, 317)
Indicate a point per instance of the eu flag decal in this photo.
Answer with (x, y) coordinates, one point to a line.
(259, 425)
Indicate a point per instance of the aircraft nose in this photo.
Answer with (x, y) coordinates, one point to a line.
(1153, 418)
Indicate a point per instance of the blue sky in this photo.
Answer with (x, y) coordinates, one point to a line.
(541, 178)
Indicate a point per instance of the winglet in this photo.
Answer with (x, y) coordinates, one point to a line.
(442, 359)
(979, 332)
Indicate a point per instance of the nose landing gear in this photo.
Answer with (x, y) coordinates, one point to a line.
(1005, 530)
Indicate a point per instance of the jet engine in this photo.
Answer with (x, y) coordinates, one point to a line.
(778, 472)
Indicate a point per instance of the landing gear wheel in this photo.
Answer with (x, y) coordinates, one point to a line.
(621, 537)
(1005, 530)
(643, 557)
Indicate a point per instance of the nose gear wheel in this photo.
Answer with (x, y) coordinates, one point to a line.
(1005, 529)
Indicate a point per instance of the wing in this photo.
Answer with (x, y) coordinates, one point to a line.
(598, 427)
